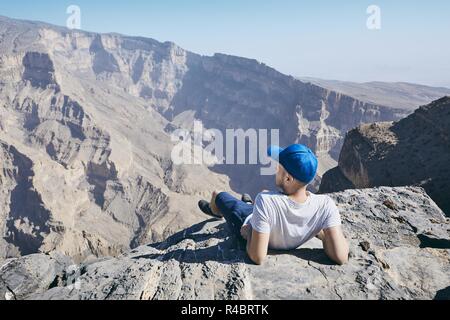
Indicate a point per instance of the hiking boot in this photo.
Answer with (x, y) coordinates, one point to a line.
(206, 209)
(247, 198)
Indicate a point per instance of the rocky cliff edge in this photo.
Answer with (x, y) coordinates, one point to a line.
(399, 243)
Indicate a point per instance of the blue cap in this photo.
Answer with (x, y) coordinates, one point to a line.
(298, 160)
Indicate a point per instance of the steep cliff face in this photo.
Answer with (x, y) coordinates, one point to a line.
(93, 115)
(399, 249)
(87, 167)
(25, 232)
(223, 92)
(413, 151)
(38, 70)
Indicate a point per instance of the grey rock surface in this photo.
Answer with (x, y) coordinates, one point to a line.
(34, 273)
(412, 151)
(399, 249)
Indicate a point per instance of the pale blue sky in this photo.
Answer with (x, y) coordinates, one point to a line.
(319, 38)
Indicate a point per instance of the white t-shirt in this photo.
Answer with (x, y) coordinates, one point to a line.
(289, 223)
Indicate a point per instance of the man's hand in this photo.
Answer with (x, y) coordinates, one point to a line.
(246, 231)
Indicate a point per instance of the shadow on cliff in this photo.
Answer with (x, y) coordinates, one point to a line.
(193, 233)
(228, 251)
(314, 255)
(25, 200)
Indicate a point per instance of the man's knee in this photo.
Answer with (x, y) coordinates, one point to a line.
(221, 197)
(226, 203)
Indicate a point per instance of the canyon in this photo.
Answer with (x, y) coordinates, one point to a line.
(86, 124)
(92, 205)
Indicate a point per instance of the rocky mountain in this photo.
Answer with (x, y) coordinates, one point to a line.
(399, 249)
(413, 151)
(403, 95)
(85, 134)
(86, 168)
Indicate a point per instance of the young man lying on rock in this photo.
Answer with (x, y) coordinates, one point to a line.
(287, 219)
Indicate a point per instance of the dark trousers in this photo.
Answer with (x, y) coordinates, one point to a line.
(234, 211)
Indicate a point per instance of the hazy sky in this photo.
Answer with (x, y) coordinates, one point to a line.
(318, 38)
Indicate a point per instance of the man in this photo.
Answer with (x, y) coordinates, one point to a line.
(287, 219)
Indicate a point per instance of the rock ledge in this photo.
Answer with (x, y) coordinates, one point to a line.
(399, 243)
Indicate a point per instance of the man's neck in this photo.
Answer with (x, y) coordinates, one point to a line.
(301, 196)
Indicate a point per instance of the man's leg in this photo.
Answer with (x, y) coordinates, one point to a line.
(213, 206)
(233, 210)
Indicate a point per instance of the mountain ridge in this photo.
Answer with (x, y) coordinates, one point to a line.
(400, 94)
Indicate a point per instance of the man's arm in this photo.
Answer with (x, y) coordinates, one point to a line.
(335, 244)
(257, 246)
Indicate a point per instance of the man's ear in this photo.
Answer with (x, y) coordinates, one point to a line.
(289, 178)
